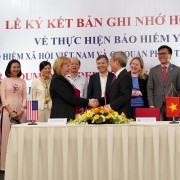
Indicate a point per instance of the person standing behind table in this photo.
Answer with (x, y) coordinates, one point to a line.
(0, 101)
(0, 107)
(40, 91)
(159, 85)
(119, 93)
(64, 100)
(79, 81)
(139, 80)
(100, 82)
(13, 96)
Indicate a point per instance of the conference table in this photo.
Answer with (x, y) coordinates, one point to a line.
(50, 151)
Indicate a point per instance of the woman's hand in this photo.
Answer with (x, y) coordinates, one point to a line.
(136, 93)
(20, 113)
(13, 114)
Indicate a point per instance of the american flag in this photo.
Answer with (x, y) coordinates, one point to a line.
(32, 110)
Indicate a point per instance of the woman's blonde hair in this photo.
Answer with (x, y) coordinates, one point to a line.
(142, 73)
(59, 62)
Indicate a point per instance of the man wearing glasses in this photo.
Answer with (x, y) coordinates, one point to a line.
(160, 79)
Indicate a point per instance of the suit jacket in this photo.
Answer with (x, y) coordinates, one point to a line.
(143, 89)
(157, 87)
(94, 86)
(63, 97)
(119, 94)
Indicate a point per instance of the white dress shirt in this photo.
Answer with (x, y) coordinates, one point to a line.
(81, 83)
(103, 80)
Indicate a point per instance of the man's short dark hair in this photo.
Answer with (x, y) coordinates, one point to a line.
(102, 56)
(165, 47)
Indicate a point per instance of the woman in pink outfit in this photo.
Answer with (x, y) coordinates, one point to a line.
(13, 96)
(0, 99)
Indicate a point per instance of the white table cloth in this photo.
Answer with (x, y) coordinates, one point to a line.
(94, 152)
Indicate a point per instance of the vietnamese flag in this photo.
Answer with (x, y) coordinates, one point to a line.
(172, 106)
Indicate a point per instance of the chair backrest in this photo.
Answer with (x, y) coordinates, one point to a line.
(147, 112)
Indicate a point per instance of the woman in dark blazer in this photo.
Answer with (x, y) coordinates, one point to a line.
(64, 100)
(139, 80)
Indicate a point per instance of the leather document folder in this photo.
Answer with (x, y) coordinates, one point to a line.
(148, 112)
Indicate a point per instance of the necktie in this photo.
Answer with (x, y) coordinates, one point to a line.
(164, 72)
(77, 93)
(114, 78)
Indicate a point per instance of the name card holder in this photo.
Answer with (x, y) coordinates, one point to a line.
(146, 120)
(59, 121)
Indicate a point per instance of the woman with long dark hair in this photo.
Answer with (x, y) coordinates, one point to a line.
(13, 96)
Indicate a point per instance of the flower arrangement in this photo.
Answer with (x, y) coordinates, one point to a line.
(101, 115)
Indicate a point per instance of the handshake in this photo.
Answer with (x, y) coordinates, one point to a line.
(93, 103)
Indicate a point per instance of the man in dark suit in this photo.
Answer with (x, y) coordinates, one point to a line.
(160, 79)
(101, 81)
(119, 94)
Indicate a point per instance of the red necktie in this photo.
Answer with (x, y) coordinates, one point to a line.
(77, 93)
(164, 72)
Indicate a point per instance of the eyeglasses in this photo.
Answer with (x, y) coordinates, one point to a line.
(162, 54)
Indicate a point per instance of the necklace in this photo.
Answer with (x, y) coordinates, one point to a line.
(45, 82)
